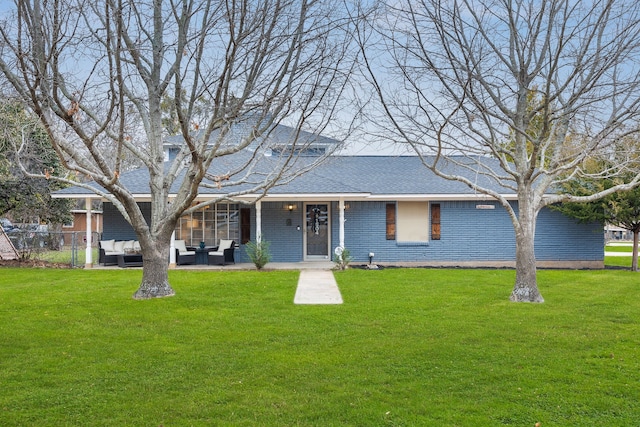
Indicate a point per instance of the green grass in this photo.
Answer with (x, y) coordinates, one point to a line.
(65, 256)
(618, 261)
(408, 347)
(610, 248)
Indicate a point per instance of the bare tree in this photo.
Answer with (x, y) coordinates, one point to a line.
(537, 85)
(100, 73)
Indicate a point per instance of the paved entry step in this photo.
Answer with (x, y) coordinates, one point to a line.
(317, 287)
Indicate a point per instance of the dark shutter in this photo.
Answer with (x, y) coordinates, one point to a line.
(245, 225)
(391, 221)
(435, 221)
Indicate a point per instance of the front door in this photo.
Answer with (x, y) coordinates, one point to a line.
(317, 231)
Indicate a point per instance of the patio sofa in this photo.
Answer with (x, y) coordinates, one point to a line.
(110, 249)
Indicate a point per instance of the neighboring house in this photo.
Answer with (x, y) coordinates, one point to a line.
(79, 221)
(391, 206)
(613, 232)
(75, 231)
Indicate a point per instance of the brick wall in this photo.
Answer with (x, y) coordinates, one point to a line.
(467, 234)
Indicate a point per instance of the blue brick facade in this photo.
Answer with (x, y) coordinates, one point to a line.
(467, 234)
(116, 227)
(280, 229)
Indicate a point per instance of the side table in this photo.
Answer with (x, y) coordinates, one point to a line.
(129, 260)
(203, 253)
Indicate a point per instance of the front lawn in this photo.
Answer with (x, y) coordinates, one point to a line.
(618, 262)
(623, 257)
(616, 248)
(408, 347)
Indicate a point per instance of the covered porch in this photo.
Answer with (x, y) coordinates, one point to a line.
(303, 228)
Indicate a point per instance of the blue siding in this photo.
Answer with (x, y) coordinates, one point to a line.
(279, 228)
(467, 234)
(561, 238)
(116, 227)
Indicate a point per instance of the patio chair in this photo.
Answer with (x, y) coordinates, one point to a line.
(223, 253)
(184, 255)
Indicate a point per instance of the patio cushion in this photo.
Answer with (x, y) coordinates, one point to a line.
(119, 246)
(128, 246)
(107, 245)
(224, 244)
(181, 247)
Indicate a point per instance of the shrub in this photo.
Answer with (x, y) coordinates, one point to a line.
(342, 259)
(258, 253)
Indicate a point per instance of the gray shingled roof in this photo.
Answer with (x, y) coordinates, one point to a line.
(375, 175)
(279, 136)
(380, 175)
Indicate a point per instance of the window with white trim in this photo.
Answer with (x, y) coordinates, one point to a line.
(210, 225)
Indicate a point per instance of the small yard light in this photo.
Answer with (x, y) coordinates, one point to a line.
(371, 255)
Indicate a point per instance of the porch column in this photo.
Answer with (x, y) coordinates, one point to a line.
(341, 211)
(88, 260)
(172, 250)
(258, 221)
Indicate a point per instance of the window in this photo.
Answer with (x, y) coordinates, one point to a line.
(210, 225)
(409, 221)
(391, 221)
(435, 221)
(245, 225)
(412, 222)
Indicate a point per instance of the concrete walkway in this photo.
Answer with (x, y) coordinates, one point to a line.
(629, 254)
(627, 244)
(317, 287)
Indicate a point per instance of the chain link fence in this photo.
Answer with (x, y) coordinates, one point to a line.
(65, 247)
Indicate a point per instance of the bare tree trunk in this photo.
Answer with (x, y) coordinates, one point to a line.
(526, 286)
(634, 257)
(155, 277)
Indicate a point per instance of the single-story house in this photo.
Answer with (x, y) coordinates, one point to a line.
(389, 207)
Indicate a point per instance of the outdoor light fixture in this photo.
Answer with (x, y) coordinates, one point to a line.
(290, 207)
(371, 265)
